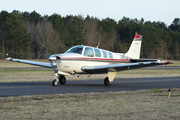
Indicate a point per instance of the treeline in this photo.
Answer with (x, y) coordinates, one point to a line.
(32, 36)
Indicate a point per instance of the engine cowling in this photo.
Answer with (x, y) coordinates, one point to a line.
(53, 61)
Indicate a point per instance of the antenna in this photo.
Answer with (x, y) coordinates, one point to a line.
(98, 44)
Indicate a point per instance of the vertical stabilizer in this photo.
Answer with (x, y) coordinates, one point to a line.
(135, 48)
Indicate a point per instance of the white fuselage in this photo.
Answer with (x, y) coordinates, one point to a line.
(72, 61)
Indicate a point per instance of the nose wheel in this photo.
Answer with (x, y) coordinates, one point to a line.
(54, 83)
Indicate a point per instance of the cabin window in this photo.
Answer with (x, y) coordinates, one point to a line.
(110, 55)
(105, 54)
(97, 53)
(88, 52)
(75, 49)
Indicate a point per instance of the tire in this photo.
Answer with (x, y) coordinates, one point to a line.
(62, 80)
(106, 82)
(54, 83)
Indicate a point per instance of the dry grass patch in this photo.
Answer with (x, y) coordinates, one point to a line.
(47, 75)
(175, 62)
(141, 104)
(25, 75)
(18, 75)
(145, 73)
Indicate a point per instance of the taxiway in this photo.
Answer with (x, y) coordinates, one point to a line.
(86, 86)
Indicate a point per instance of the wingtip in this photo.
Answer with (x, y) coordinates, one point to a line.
(9, 58)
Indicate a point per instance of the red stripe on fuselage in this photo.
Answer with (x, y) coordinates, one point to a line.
(93, 59)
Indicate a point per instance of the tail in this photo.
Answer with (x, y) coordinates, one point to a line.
(135, 48)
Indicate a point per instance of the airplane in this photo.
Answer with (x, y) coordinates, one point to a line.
(82, 59)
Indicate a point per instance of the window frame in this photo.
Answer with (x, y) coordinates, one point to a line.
(85, 51)
(98, 51)
(110, 55)
(69, 50)
(104, 54)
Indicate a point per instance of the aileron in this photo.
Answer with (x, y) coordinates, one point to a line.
(42, 64)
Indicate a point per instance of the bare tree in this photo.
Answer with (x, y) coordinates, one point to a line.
(95, 36)
(93, 32)
(31, 28)
(47, 37)
(109, 40)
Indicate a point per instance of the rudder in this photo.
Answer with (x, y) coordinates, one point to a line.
(135, 48)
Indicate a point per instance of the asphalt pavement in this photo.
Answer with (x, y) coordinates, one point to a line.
(86, 86)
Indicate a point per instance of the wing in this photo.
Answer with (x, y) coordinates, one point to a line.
(42, 64)
(120, 67)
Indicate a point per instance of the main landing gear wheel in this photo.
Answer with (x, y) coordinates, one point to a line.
(54, 83)
(107, 82)
(62, 80)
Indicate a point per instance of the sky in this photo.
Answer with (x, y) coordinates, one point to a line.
(151, 10)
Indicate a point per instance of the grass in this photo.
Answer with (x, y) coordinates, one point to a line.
(18, 75)
(157, 90)
(47, 75)
(1, 107)
(166, 95)
(141, 104)
(175, 63)
(22, 75)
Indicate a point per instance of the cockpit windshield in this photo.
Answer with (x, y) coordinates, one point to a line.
(75, 49)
